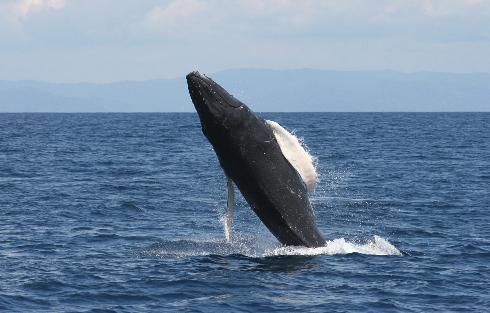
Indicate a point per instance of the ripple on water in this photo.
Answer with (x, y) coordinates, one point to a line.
(121, 213)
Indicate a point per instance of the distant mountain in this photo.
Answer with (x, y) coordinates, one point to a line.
(266, 91)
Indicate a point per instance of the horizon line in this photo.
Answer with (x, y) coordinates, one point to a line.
(261, 112)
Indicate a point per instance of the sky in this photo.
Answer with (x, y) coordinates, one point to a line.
(114, 40)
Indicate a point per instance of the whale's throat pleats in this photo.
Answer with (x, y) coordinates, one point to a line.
(296, 154)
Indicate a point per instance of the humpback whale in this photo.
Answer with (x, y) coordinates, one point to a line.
(267, 164)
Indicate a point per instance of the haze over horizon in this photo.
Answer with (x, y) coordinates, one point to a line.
(246, 69)
(263, 90)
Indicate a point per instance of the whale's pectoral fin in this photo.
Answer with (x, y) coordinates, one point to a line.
(229, 208)
(295, 153)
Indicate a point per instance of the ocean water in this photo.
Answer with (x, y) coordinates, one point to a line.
(123, 213)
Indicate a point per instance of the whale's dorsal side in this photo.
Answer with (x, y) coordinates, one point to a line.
(296, 154)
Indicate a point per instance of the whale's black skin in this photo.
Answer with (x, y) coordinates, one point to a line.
(250, 155)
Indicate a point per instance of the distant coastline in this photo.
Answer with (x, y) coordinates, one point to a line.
(300, 90)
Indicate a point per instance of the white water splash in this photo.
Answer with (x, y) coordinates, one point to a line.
(376, 246)
(253, 247)
(228, 219)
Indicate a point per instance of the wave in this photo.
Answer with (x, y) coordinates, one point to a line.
(252, 247)
(375, 246)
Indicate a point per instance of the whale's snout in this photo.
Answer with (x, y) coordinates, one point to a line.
(195, 76)
(209, 98)
(200, 91)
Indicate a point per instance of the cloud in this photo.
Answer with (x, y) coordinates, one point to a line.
(258, 18)
(175, 13)
(25, 7)
(327, 18)
(160, 38)
(14, 13)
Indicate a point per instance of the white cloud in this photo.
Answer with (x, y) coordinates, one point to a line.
(25, 7)
(175, 13)
(183, 17)
(12, 13)
(437, 8)
(157, 38)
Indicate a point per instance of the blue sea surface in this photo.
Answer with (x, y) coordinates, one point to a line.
(123, 213)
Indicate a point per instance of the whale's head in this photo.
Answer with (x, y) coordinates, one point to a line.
(217, 109)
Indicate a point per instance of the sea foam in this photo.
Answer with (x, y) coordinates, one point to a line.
(253, 247)
(375, 246)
